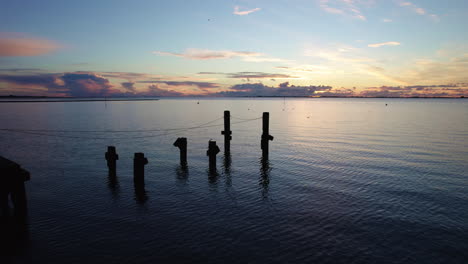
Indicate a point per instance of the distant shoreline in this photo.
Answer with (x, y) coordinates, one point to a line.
(46, 99)
(69, 99)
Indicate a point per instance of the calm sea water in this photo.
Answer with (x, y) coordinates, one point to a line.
(348, 181)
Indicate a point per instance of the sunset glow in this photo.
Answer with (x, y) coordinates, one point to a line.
(367, 48)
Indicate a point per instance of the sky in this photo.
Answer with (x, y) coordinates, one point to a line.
(390, 48)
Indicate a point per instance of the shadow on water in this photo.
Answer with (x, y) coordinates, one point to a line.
(113, 184)
(264, 179)
(182, 174)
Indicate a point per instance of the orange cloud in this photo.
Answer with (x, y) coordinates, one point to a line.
(15, 45)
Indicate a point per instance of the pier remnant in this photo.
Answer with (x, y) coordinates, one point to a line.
(139, 162)
(111, 157)
(266, 137)
(181, 143)
(227, 132)
(12, 178)
(213, 150)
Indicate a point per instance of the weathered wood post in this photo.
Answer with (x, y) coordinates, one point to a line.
(266, 137)
(12, 178)
(181, 143)
(213, 150)
(139, 162)
(111, 157)
(227, 132)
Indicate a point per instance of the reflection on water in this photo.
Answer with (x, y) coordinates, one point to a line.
(140, 193)
(182, 173)
(213, 176)
(113, 184)
(264, 178)
(227, 168)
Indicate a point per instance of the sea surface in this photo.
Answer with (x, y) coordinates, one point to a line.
(347, 181)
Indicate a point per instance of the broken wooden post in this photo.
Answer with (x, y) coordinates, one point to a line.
(266, 137)
(227, 132)
(111, 157)
(213, 150)
(139, 162)
(12, 178)
(181, 143)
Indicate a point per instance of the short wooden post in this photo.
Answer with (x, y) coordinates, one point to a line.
(111, 157)
(213, 150)
(227, 132)
(266, 137)
(181, 143)
(139, 162)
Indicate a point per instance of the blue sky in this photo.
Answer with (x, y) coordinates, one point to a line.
(354, 47)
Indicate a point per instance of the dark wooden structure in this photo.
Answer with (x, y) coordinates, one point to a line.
(139, 162)
(12, 178)
(181, 143)
(212, 151)
(266, 137)
(112, 157)
(227, 132)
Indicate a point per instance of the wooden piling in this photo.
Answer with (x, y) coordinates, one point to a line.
(111, 157)
(266, 137)
(12, 178)
(181, 143)
(213, 150)
(227, 132)
(139, 162)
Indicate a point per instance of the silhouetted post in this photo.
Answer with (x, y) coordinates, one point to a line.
(227, 132)
(213, 149)
(266, 137)
(139, 162)
(181, 143)
(111, 157)
(12, 178)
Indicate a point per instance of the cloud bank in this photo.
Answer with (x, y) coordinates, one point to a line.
(201, 85)
(283, 89)
(90, 84)
(79, 84)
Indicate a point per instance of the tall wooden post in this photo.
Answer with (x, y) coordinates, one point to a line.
(266, 137)
(12, 178)
(139, 162)
(213, 150)
(227, 132)
(181, 143)
(112, 157)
